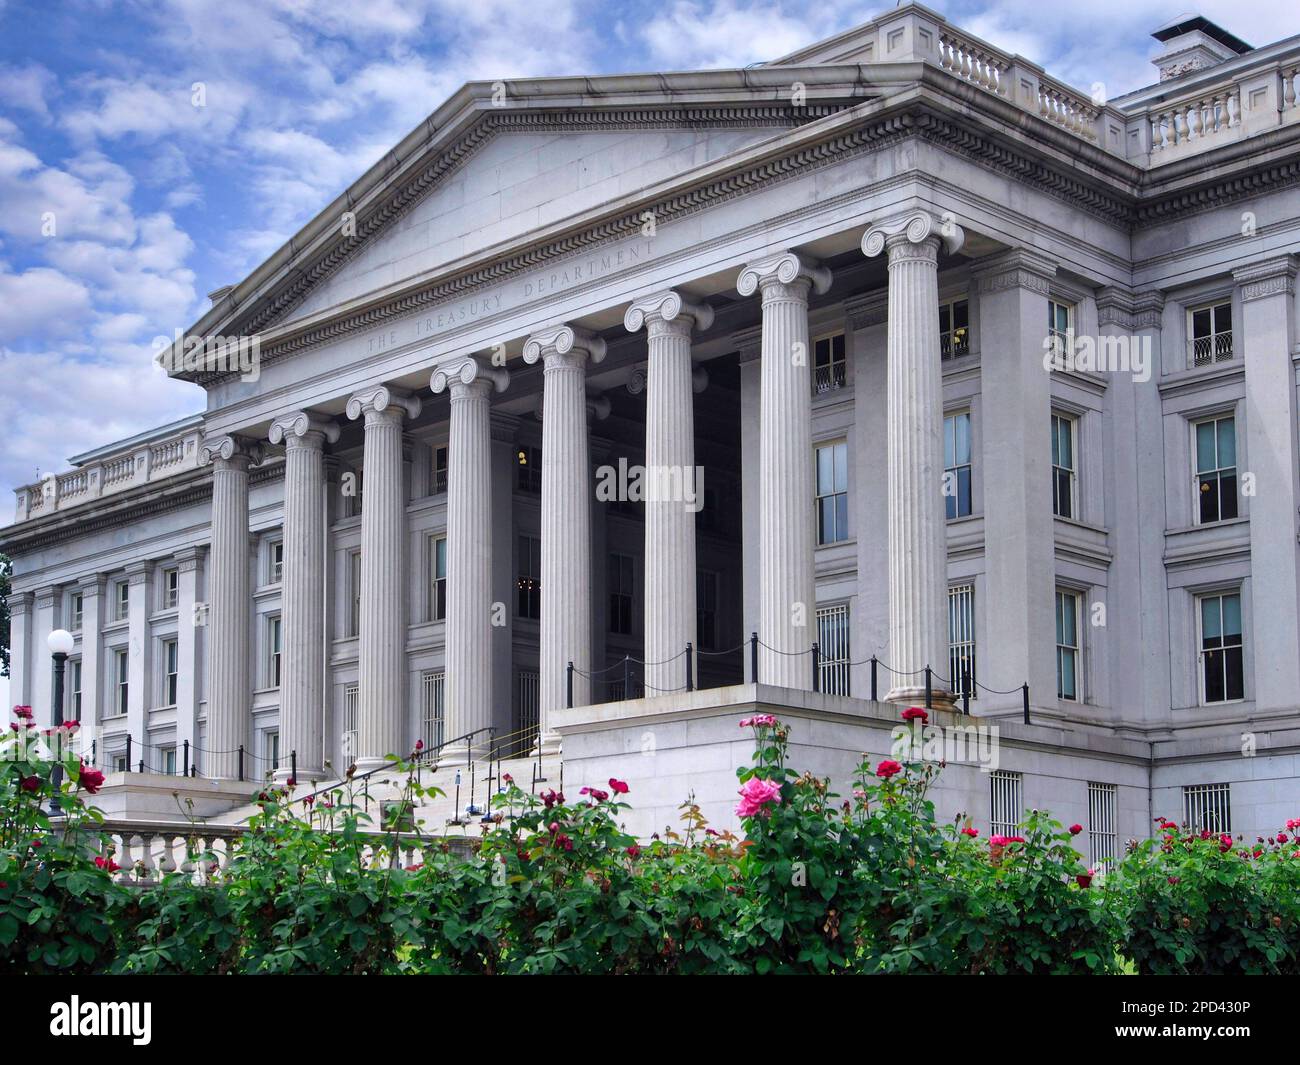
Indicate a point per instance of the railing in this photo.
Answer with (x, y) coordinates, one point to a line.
(1198, 117)
(1217, 347)
(954, 343)
(829, 378)
(974, 62)
(147, 851)
(1068, 109)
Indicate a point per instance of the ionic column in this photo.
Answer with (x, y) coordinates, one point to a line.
(918, 546)
(382, 709)
(302, 592)
(470, 382)
(230, 685)
(566, 517)
(787, 588)
(92, 614)
(673, 496)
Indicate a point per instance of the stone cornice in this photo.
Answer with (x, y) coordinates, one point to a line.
(749, 343)
(1272, 277)
(1129, 310)
(20, 603)
(867, 310)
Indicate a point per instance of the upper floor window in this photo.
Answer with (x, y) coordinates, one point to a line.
(437, 578)
(352, 484)
(1210, 328)
(1060, 328)
(76, 608)
(273, 648)
(832, 493)
(620, 594)
(275, 562)
(121, 675)
(957, 464)
(171, 672)
(954, 328)
(1067, 645)
(528, 581)
(439, 479)
(529, 460)
(829, 364)
(122, 600)
(354, 580)
(171, 588)
(72, 712)
(1216, 469)
(1063, 466)
(706, 609)
(1222, 666)
(961, 638)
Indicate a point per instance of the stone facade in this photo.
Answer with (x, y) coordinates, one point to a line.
(919, 354)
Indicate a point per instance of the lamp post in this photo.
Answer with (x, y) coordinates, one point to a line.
(60, 643)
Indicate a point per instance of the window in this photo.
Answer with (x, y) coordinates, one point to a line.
(832, 493)
(829, 366)
(1067, 645)
(275, 562)
(76, 609)
(271, 748)
(706, 609)
(528, 689)
(1211, 332)
(961, 638)
(121, 671)
(1060, 329)
(354, 568)
(437, 578)
(530, 469)
(621, 581)
(170, 659)
(351, 700)
(432, 690)
(167, 761)
(1101, 826)
(1207, 808)
(72, 712)
(1063, 466)
(438, 481)
(1216, 470)
(119, 764)
(528, 583)
(1222, 667)
(122, 600)
(954, 329)
(833, 648)
(273, 650)
(171, 588)
(1005, 802)
(957, 465)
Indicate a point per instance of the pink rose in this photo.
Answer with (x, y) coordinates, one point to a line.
(755, 794)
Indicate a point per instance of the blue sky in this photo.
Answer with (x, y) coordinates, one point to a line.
(156, 201)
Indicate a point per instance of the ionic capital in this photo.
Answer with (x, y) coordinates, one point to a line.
(381, 398)
(784, 268)
(912, 229)
(576, 343)
(469, 372)
(229, 448)
(302, 425)
(667, 306)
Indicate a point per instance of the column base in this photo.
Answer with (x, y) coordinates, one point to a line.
(365, 765)
(940, 698)
(304, 777)
(549, 742)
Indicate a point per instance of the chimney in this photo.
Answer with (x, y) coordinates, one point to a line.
(1194, 43)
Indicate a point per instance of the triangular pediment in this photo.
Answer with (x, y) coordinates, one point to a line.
(526, 177)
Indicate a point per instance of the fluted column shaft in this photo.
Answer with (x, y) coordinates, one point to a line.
(566, 632)
(673, 496)
(302, 594)
(383, 706)
(918, 549)
(469, 546)
(229, 614)
(787, 587)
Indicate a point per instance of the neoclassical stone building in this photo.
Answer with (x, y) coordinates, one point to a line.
(897, 345)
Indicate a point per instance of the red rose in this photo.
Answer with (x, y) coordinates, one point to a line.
(972, 832)
(633, 850)
(1075, 829)
(419, 745)
(1281, 837)
(618, 787)
(887, 769)
(31, 784)
(24, 713)
(916, 713)
(1085, 879)
(107, 864)
(90, 778)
